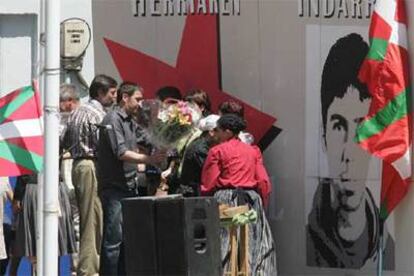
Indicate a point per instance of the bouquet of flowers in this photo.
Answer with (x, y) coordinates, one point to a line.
(171, 122)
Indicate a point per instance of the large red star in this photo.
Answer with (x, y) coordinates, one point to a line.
(197, 67)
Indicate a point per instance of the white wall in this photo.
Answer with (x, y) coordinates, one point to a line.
(19, 40)
(18, 44)
(19, 7)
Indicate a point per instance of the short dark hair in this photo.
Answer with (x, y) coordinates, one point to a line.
(341, 70)
(231, 122)
(101, 83)
(168, 92)
(201, 98)
(232, 107)
(128, 88)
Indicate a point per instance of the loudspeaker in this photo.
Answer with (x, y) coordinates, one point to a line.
(171, 236)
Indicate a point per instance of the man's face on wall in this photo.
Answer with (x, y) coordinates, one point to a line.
(348, 163)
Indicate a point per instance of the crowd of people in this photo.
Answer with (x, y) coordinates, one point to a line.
(106, 157)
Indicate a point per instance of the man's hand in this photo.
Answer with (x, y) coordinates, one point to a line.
(141, 168)
(157, 157)
(16, 206)
(166, 173)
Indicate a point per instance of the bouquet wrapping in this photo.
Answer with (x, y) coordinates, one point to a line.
(169, 123)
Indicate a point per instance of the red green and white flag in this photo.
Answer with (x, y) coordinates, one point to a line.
(21, 134)
(386, 130)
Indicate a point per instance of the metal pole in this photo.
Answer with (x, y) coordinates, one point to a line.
(379, 268)
(380, 246)
(40, 186)
(40, 232)
(51, 115)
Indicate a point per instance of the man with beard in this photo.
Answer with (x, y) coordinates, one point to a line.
(117, 172)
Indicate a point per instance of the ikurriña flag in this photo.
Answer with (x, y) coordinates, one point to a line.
(21, 134)
(386, 130)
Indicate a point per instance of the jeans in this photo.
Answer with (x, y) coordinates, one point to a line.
(112, 255)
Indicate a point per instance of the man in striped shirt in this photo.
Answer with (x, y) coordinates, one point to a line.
(81, 139)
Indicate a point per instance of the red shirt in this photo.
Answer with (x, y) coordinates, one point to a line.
(235, 164)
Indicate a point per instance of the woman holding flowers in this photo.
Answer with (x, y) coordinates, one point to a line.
(173, 128)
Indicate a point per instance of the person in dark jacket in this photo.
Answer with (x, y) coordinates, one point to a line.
(195, 155)
(117, 172)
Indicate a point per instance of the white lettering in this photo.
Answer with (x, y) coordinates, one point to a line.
(190, 6)
(138, 7)
(369, 5)
(314, 6)
(328, 11)
(168, 7)
(181, 6)
(356, 9)
(213, 6)
(185, 7)
(201, 7)
(300, 8)
(236, 7)
(224, 7)
(343, 8)
(154, 9)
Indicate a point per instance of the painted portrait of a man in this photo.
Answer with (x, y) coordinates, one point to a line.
(342, 228)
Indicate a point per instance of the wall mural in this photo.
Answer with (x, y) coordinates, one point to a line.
(294, 60)
(342, 228)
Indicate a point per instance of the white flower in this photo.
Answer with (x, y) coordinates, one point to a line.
(163, 115)
(246, 137)
(195, 115)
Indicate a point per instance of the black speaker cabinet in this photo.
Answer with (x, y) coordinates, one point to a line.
(171, 236)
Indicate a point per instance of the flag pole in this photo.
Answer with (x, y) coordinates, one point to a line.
(51, 126)
(40, 185)
(380, 247)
